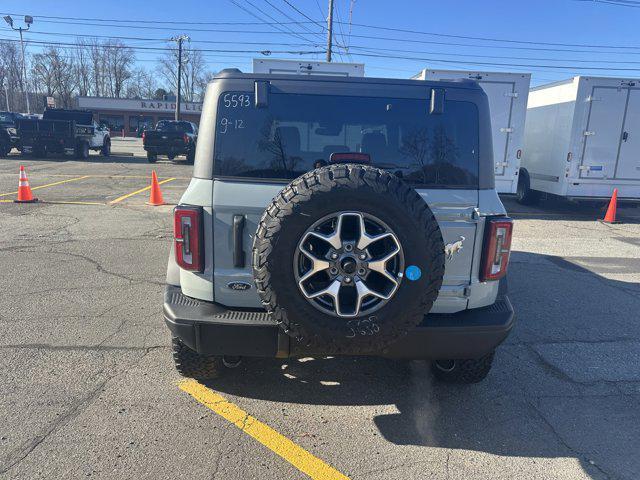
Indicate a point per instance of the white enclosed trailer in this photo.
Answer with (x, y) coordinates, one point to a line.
(507, 94)
(582, 139)
(277, 65)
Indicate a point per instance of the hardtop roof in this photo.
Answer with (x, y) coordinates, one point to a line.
(233, 73)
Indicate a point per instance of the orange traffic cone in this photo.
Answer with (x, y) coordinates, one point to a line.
(24, 190)
(610, 216)
(156, 194)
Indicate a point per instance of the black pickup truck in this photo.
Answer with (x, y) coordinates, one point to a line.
(171, 138)
(63, 131)
(8, 135)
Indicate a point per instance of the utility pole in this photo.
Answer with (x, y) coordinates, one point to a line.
(329, 30)
(28, 20)
(179, 39)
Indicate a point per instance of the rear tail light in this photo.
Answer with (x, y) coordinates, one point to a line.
(144, 136)
(187, 235)
(185, 138)
(497, 248)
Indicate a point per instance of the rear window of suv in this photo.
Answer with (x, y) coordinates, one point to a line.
(299, 132)
(170, 126)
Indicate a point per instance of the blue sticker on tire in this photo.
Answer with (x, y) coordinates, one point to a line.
(413, 272)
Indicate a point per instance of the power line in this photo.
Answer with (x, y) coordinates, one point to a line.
(440, 60)
(619, 3)
(160, 49)
(372, 50)
(121, 20)
(167, 29)
(165, 40)
(490, 39)
(339, 22)
(315, 22)
(503, 57)
(291, 18)
(312, 20)
(80, 42)
(304, 14)
(370, 37)
(276, 26)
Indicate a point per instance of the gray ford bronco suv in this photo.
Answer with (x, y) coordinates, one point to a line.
(340, 216)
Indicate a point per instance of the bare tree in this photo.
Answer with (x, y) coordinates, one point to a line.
(54, 71)
(194, 71)
(11, 76)
(83, 67)
(119, 60)
(142, 84)
(98, 67)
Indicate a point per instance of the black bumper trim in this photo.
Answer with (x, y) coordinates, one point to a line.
(210, 328)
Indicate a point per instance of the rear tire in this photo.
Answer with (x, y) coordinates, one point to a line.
(524, 194)
(191, 155)
(82, 151)
(40, 152)
(106, 148)
(152, 157)
(171, 157)
(463, 371)
(190, 363)
(4, 150)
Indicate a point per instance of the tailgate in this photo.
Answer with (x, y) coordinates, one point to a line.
(163, 139)
(32, 131)
(238, 207)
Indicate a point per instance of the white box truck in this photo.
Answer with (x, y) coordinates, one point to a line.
(507, 94)
(582, 140)
(277, 65)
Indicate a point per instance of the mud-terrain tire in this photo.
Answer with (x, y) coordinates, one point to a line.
(325, 191)
(463, 371)
(190, 363)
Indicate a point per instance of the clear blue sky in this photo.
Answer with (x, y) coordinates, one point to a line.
(561, 21)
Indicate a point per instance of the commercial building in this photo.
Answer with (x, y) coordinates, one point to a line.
(132, 116)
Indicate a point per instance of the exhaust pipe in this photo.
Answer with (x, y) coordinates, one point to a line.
(231, 361)
(445, 365)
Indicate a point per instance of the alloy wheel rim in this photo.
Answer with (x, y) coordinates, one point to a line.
(348, 264)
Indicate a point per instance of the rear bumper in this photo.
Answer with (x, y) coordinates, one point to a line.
(210, 328)
(167, 150)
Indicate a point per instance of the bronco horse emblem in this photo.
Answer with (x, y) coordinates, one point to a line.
(452, 248)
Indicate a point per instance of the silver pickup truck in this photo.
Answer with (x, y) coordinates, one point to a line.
(340, 216)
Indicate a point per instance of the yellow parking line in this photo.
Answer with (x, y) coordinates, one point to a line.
(70, 202)
(48, 185)
(267, 436)
(124, 197)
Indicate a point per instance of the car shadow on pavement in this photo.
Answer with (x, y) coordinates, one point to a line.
(538, 401)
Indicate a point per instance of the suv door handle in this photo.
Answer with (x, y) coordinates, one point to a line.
(238, 232)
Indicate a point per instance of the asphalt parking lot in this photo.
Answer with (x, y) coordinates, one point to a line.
(89, 388)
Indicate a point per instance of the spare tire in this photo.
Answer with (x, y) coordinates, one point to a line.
(347, 259)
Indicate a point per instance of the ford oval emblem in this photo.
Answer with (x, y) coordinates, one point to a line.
(239, 286)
